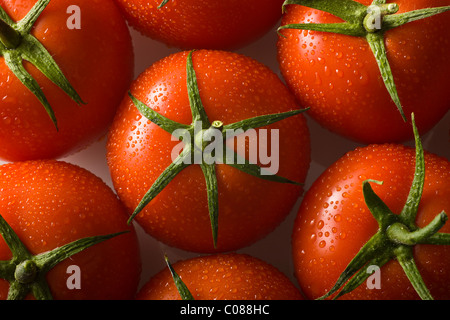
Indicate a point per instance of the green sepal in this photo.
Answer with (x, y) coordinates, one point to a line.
(236, 161)
(345, 28)
(195, 102)
(192, 148)
(369, 251)
(17, 44)
(409, 211)
(36, 283)
(6, 18)
(164, 123)
(14, 63)
(405, 258)
(348, 10)
(25, 25)
(9, 37)
(163, 3)
(33, 51)
(397, 234)
(376, 43)
(182, 289)
(209, 171)
(394, 21)
(47, 260)
(18, 250)
(175, 167)
(379, 210)
(362, 275)
(259, 121)
(357, 19)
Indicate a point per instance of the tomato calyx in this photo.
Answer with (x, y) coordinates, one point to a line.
(26, 272)
(17, 44)
(197, 138)
(396, 237)
(369, 22)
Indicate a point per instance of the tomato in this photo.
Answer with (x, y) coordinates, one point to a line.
(203, 24)
(232, 88)
(50, 204)
(97, 60)
(334, 222)
(222, 277)
(338, 77)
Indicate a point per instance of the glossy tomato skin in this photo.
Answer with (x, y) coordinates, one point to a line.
(337, 76)
(203, 24)
(96, 59)
(49, 204)
(222, 277)
(232, 88)
(333, 222)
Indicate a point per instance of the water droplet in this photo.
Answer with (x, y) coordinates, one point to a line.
(320, 224)
(7, 120)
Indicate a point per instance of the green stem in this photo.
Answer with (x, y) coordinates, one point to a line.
(26, 271)
(399, 233)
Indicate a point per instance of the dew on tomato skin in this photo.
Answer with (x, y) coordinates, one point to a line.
(322, 244)
(6, 120)
(320, 224)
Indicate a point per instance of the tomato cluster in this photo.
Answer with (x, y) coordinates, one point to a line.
(274, 147)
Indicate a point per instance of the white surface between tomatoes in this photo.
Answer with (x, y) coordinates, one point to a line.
(326, 147)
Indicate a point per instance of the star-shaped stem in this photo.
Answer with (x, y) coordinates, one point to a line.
(370, 22)
(17, 44)
(26, 273)
(396, 236)
(198, 139)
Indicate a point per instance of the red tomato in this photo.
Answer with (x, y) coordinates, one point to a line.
(222, 277)
(97, 60)
(232, 88)
(338, 78)
(203, 24)
(50, 204)
(333, 222)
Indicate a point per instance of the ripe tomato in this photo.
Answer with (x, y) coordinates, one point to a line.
(338, 78)
(50, 204)
(232, 88)
(203, 24)
(222, 277)
(334, 222)
(97, 60)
